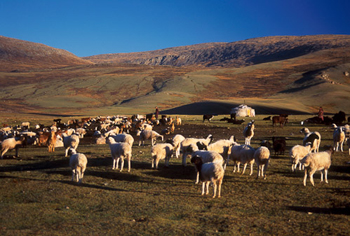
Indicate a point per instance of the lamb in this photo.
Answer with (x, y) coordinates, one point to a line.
(161, 151)
(317, 161)
(11, 143)
(188, 144)
(223, 147)
(262, 157)
(77, 162)
(209, 172)
(120, 151)
(176, 141)
(149, 134)
(338, 138)
(70, 141)
(313, 137)
(248, 132)
(207, 156)
(297, 153)
(125, 138)
(242, 154)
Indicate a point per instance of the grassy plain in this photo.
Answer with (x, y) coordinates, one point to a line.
(38, 198)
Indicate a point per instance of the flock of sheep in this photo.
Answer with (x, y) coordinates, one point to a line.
(209, 158)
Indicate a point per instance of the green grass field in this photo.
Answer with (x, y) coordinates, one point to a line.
(37, 196)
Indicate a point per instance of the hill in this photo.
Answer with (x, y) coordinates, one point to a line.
(234, 54)
(274, 74)
(17, 55)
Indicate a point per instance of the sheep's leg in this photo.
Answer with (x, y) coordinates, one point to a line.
(129, 163)
(321, 176)
(251, 168)
(167, 161)
(73, 174)
(341, 146)
(153, 160)
(305, 177)
(244, 167)
(325, 175)
(66, 152)
(197, 179)
(157, 162)
(121, 163)
(117, 163)
(6, 149)
(258, 174)
(203, 186)
(214, 188)
(77, 174)
(312, 172)
(114, 163)
(207, 187)
(219, 187)
(184, 159)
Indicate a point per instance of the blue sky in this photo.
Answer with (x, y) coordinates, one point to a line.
(86, 27)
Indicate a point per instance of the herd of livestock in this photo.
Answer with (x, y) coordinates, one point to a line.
(209, 158)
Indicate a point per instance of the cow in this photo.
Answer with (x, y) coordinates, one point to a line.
(279, 145)
(282, 120)
(207, 117)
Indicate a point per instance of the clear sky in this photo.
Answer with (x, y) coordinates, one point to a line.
(91, 27)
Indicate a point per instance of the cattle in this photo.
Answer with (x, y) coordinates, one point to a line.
(207, 117)
(281, 119)
(267, 118)
(339, 118)
(279, 145)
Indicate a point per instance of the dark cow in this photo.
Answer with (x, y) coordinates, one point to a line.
(279, 145)
(282, 120)
(207, 117)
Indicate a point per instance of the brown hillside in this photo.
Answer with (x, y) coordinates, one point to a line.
(235, 54)
(18, 55)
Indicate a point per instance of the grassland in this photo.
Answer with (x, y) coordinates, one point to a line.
(38, 198)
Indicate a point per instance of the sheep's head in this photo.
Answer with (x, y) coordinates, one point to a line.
(201, 146)
(196, 160)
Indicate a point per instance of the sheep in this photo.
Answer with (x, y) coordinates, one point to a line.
(313, 137)
(248, 132)
(209, 172)
(126, 138)
(120, 151)
(178, 121)
(279, 145)
(262, 157)
(338, 138)
(176, 141)
(189, 143)
(149, 134)
(317, 161)
(161, 151)
(242, 154)
(223, 147)
(207, 156)
(77, 162)
(11, 143)
(297, 153)
(70, 141)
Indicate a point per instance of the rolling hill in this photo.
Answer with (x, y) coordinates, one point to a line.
(272, 74)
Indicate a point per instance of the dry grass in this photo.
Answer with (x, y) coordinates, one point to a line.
(37, 196)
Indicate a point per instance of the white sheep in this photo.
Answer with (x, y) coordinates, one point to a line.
(176, 141)
(11, 143)
(149, 134)
(262, 157)
(70, 141)
(242, 154)
(223, 147)
(248, 132)
(317, 161)
(77, 162)
(313, 137)
(188, 145)
(161, 151)
(207, 156)
(297, 153)
(120, 151)
(209, 172)
(338, 138)
(125, 138)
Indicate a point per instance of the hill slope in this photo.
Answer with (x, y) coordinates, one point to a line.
(304, 78)
(235, 54)
(23, 55)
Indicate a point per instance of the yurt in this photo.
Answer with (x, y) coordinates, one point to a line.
(243, 111)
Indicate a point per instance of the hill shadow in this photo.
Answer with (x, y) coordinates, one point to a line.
(222, 108)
